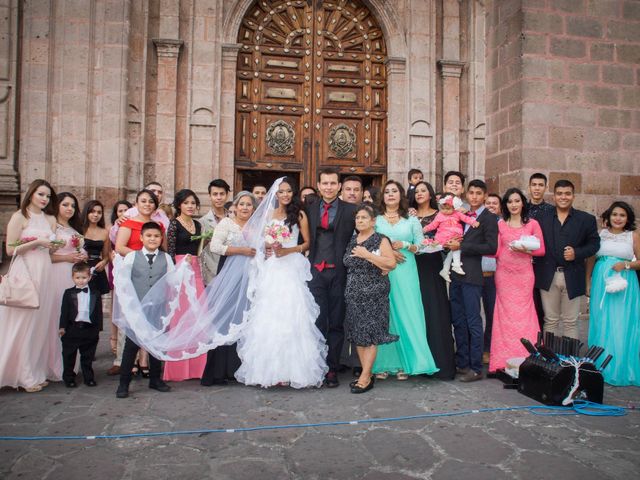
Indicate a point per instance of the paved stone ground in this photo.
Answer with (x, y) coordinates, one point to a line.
(493, 446)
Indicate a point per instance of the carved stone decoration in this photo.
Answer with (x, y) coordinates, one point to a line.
(280, 137)
(342, 140)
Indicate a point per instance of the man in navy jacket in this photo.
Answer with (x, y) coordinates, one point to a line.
(570, 236)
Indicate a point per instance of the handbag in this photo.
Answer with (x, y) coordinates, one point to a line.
(17, 289)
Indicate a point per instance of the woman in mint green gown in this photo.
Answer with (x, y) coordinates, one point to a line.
(614, 318)
(410, 355)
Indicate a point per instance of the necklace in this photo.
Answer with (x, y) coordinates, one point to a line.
(189, 227)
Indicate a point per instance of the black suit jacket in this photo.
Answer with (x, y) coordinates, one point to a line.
(582, 235)
(476, 243)
(69, 308)
(343, 227)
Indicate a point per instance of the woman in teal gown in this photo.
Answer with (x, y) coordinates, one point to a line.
(614, 320)
(410, 355)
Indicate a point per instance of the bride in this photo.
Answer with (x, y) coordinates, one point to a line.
(281, 343)
(263, 303)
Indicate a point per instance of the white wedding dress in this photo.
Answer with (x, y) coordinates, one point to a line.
(280, 343)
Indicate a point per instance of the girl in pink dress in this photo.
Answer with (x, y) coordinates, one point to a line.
(515, 314)
(25, 334)
(448, 227)
(179, 246)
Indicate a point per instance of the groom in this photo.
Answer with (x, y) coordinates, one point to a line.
(332, 223)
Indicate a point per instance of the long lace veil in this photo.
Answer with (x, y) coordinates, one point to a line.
(217, 317)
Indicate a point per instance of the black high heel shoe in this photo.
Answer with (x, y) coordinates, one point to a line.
(144, 371)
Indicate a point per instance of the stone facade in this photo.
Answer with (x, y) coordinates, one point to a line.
(563, 80)
(101, 96)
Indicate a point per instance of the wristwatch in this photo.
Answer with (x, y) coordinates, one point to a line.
(627, 265)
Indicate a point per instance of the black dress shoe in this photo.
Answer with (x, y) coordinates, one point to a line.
(160, 386)
(123, 391)
(331, 380)
(70, 384)
(91, 383)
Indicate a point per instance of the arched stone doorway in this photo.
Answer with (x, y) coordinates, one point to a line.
(311, 91)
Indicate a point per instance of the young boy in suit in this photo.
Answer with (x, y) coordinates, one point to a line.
(146, 266)
(80, 323)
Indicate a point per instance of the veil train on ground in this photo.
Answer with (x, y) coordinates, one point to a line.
(215, 318)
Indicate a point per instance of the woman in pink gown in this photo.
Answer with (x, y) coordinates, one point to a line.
(68, 226)
(26, 335)
(179, 245)
(515, 315)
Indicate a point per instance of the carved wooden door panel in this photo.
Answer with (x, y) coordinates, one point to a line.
(311, 88)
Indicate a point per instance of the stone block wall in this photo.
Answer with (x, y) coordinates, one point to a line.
(565, 96)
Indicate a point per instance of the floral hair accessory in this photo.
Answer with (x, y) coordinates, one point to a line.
(447, 200)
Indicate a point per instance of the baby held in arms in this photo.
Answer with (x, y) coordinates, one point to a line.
(448, 227)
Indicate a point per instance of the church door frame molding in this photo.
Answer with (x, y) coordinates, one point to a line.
(397, 113)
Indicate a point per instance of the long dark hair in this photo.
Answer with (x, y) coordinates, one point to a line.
(88, 207)
(114, 210)
(433, 203)
(75, 221)
(403, 207)
(154, 199)
(631, 216)
(181, 197)
(52, 206)
(525, 205)
(293, 209)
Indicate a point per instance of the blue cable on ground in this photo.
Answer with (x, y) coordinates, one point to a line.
(579, 407)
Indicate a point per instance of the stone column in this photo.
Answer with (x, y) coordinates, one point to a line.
(228, 111)
(451, 71)
(397, 158)
(167, 50)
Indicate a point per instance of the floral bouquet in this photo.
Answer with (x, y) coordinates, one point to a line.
(530, 242)
(205, 236)
(55, 241)
(276, 233)
(615, 283)
(429, 245)
(22, 241)
(77, 242)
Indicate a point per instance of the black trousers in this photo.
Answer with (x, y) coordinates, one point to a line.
(128, 360)
(327, 288)
(489, 305)
(81, 338)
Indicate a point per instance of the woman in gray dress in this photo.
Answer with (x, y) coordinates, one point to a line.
(368, 257)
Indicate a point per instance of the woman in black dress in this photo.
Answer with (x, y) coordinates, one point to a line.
(367, 257)
(97, 245)
(435, 298)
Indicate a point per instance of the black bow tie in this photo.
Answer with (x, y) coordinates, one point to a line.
(85, 289)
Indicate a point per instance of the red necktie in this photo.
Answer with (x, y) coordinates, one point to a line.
(324, 221)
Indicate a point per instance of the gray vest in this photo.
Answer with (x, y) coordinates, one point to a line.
(143, 275)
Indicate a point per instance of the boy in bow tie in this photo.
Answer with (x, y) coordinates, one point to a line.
(80, 323)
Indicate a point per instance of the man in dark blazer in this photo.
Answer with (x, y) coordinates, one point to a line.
(331, 224)
(570, 237)
(80, 324)
(465, 291)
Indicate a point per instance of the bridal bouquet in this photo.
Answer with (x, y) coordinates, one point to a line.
(22, 241)
(77, 242)
(276, 233)
(429, 245)
(530, 242)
